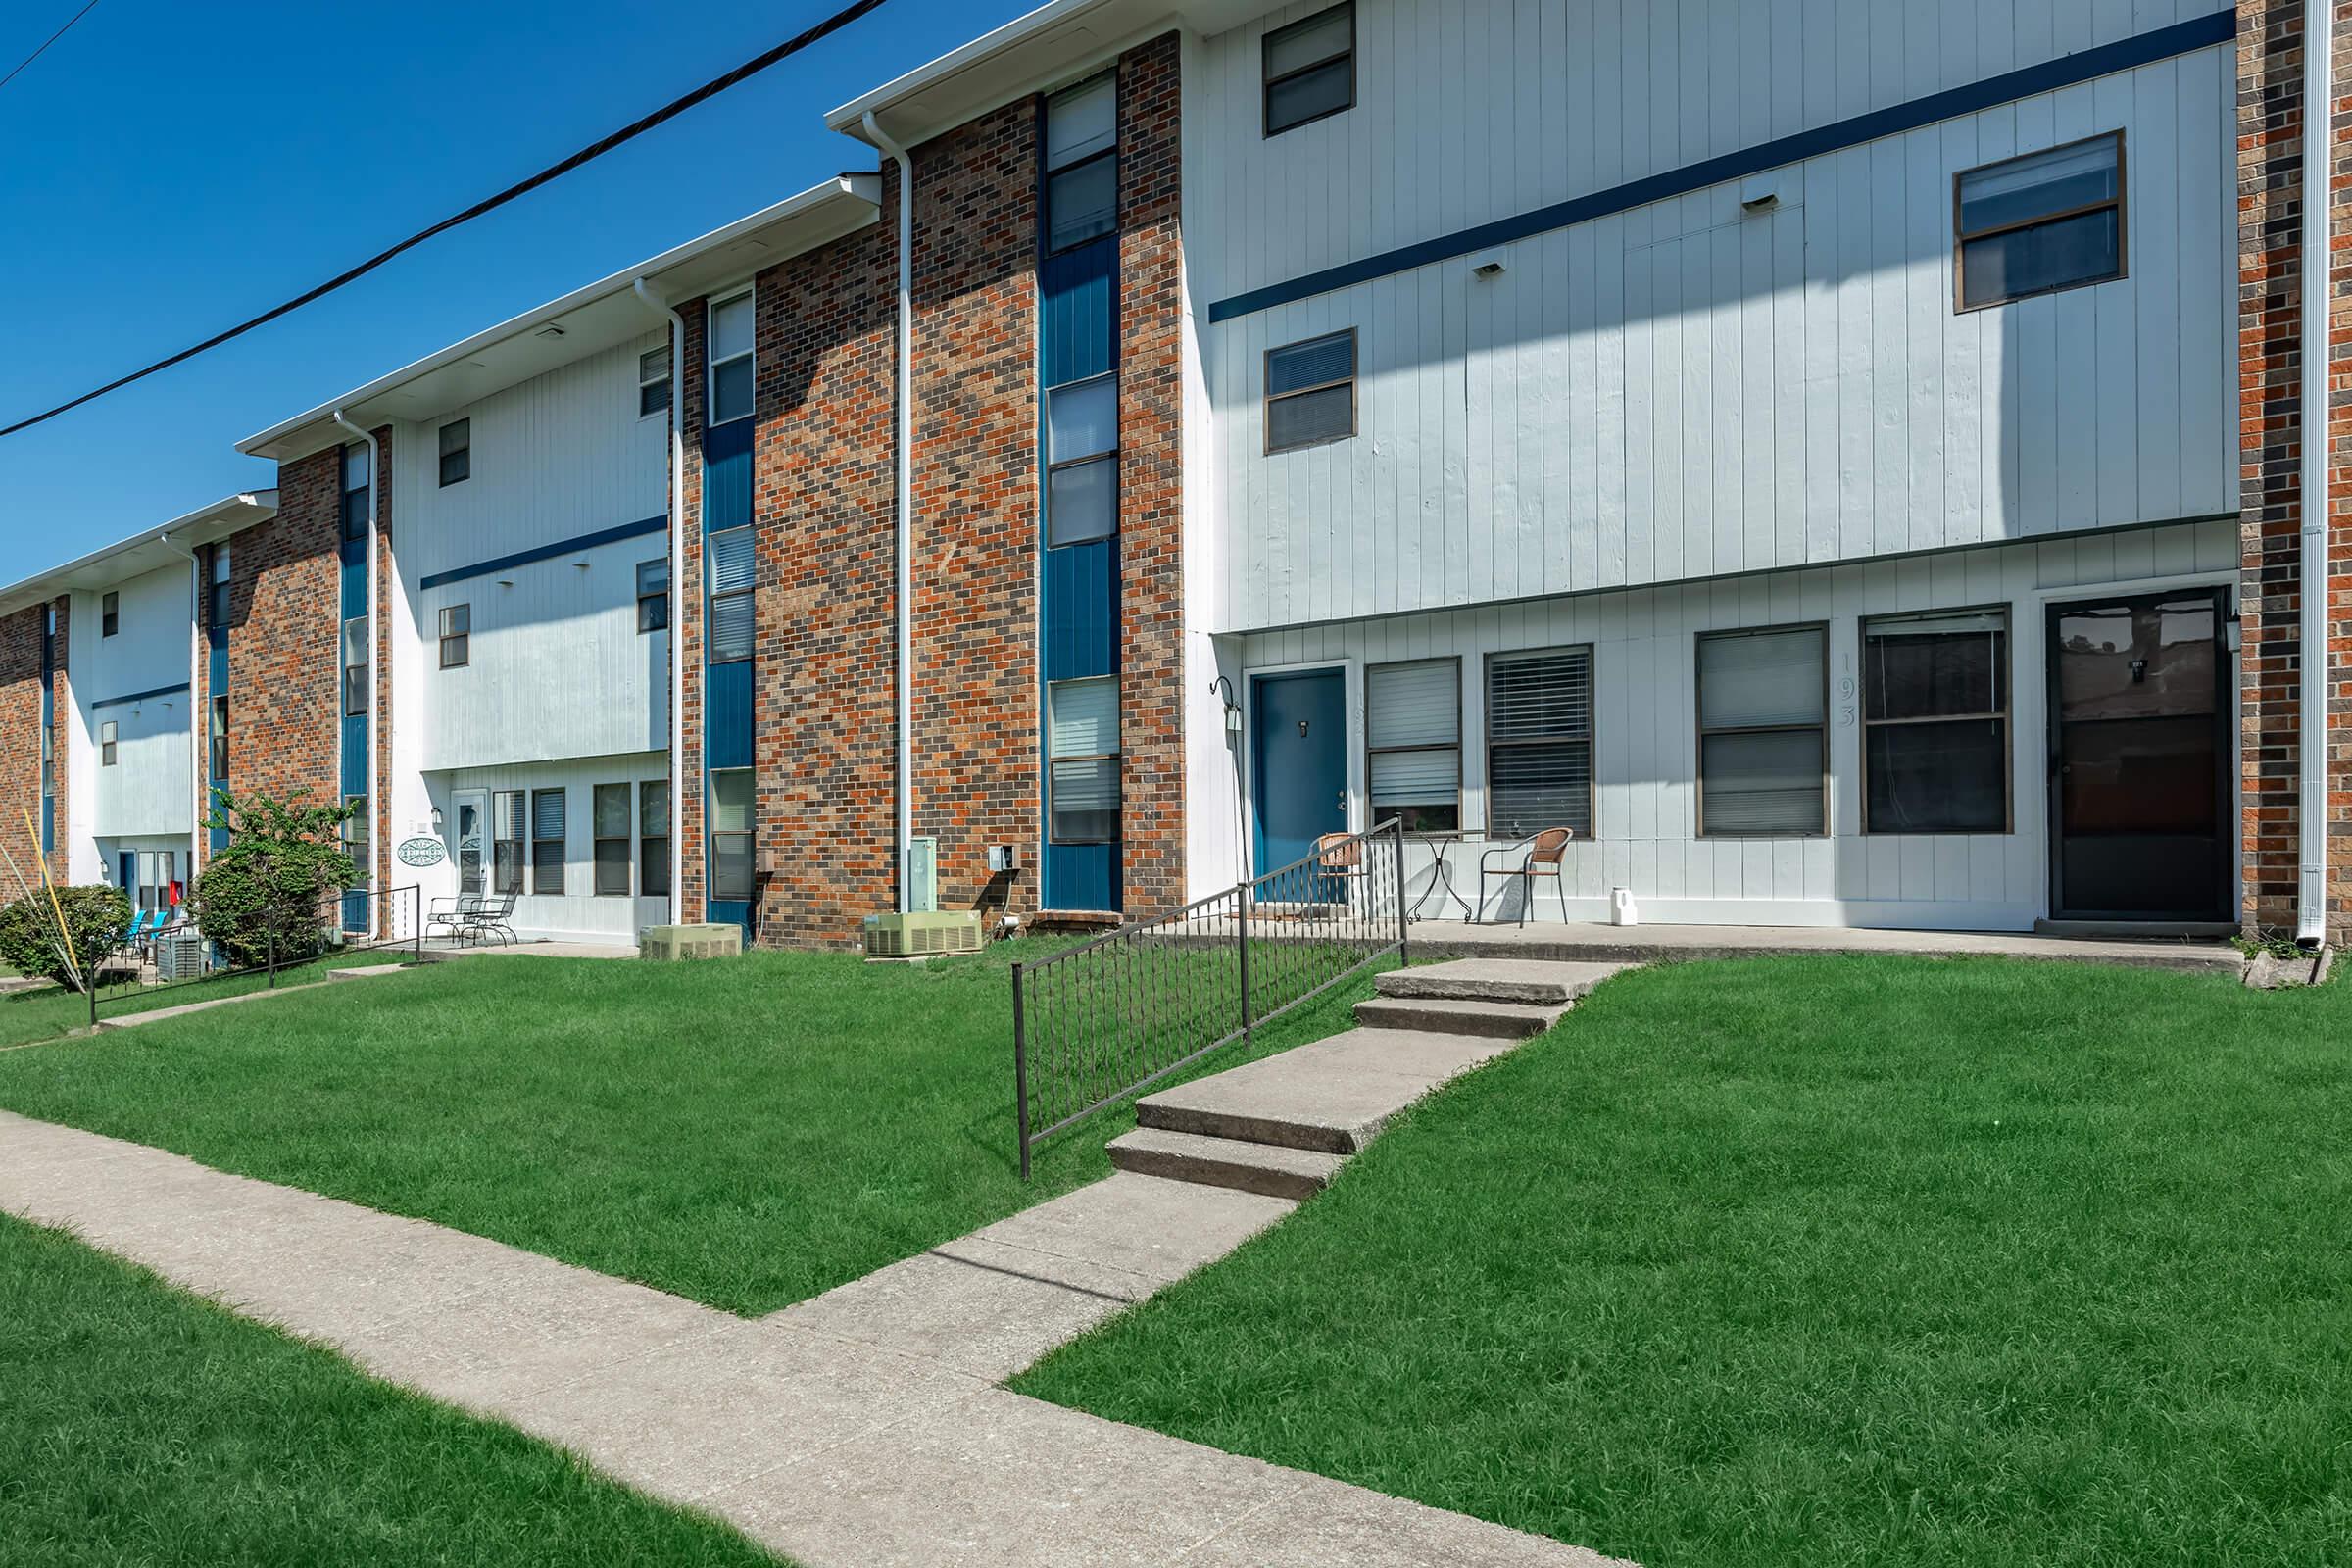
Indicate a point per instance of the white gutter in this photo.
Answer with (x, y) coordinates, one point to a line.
(906, 502)
(2318, 102)
(375, 477)
(678, 589)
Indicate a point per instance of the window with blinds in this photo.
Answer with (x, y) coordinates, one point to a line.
(611, 807)
(1540, 742)
(1311, 392)
(1763, 742)
(355, 665)
(1936, 722)
(506, 837)
(547, 842)
(1413, 744)
(652, 839)
(732, 579)
(733, 823)
(1082, 760)
(732, 374)
(1311, 70)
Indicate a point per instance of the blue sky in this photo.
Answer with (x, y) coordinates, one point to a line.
(164, 175)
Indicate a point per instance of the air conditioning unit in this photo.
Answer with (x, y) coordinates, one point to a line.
(673, 943)
(925, 935)
(179, 958)
(923, 875)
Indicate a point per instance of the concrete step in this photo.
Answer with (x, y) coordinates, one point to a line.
(1528, 982)
(1271, 1169)
(1332, 1097)
(1488, 1020)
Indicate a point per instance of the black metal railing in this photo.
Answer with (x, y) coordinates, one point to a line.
(266, 941)
(1112, 1016)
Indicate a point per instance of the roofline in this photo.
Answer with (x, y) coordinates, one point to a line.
(841, 187)
(849, 116)
(262, 505)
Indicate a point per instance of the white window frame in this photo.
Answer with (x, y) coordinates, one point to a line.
(711, 363)
(668, 378)
(109, 738)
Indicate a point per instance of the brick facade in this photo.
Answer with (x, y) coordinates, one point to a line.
(283, 671)
(2270, 124)
(21, 740)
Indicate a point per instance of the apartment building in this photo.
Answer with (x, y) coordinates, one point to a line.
(111, 714)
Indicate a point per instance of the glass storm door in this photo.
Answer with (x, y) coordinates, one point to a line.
(2139, 755)
(471, 806)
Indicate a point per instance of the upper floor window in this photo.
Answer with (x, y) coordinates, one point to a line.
(652, 381)
(652, 595)
(220, 586)
(1311, 392)
(1082, 460)
(1763, 736)
(1936, 722)
(733, 615)
(217, 741)
(110, 614)
(731, 374)
(457, 636)
(108, 735)
(1082, 162)
(1310, 69)
(355, 665)
(355, 491)
(457, 451)
(2040, 224)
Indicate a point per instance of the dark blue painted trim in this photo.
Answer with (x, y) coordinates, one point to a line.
(563, 547)
(2184, 37)
(141, 696)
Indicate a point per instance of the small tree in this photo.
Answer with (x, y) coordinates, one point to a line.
(266, 893)
(96, 918)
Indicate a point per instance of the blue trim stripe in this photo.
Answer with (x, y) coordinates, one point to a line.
(141, 696)
(561, 547)
(2184, 37)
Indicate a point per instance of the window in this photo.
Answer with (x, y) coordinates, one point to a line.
(506, 841)
(110, 614)
(1310, 69)
(612, 803)
(1540, 742)
(457, 636)
(1082, 755)
(547, 842)
(355, 665)
(355, 831)
(220, 586)
(1311, 392)
(107, 746)
(731, 832)
(652, 839)
(1936, 722)
(1081, 164)
(731, 376)
(1414, 734)
(2040, 224)
(652, 381)
(652, 595)
(1082, 460)
(456, 452)
(156, 870)
(217, 738)
(356, 509)
(1763, 750)
(731, 601)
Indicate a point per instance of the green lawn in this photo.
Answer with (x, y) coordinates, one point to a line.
(1825, 1260)
(28, 1017)
(747, 1133)
(143, 1426)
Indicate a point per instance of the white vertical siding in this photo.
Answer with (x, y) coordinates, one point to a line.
(1644, 753)
(577, 913)
(150, 789)
(1687, 390)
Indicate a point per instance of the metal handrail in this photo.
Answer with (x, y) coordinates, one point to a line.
(1112, 1015)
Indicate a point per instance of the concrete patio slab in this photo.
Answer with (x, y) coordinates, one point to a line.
(1574, 942)
(1529, 982)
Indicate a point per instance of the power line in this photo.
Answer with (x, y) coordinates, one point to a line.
(594, 150)
(52, 38)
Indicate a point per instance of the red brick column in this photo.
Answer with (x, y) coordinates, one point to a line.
(283, 675)
(2269, 127)
(21, 740)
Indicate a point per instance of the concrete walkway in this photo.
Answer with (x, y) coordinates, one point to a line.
(1590, 943)
(860, 1429)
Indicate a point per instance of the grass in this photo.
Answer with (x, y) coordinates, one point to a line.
(145, 1426)
(1834, 1260)
(747, 1133)
(52, 1012)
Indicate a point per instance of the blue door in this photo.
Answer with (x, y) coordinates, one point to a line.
(1299, 766)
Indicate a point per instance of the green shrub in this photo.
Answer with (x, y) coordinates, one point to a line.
(95, 916)
(269, 894)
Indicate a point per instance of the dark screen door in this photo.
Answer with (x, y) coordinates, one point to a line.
(2140, 749)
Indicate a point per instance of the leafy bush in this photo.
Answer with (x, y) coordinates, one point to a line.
(95, 916)
(270, 892)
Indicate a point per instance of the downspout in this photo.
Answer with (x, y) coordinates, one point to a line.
(2319, 100)
(677, 590)
(904, 452)
(378, 483)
